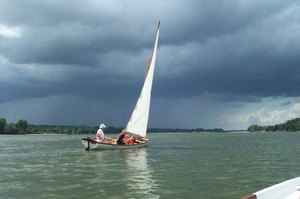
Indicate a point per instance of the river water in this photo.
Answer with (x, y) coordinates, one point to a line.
(173, 165)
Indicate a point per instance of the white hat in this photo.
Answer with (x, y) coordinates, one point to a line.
(102, 126)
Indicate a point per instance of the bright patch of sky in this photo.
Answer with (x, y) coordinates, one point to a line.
(10, 31)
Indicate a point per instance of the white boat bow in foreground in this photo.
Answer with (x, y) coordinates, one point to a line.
(289, 189)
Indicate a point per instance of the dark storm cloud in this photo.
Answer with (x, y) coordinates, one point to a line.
(69, 32)
(237, 50)
(77, 34)
(253, 51)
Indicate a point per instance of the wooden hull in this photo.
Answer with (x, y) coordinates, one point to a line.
(289, 189)
(90, 144)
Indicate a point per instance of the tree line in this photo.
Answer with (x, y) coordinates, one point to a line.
(291, 126)
(10, 128)
(23, 127)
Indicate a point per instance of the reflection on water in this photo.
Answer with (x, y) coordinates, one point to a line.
(121, 174)
(139, 173)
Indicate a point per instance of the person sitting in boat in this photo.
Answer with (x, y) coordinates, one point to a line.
(100, 134)
(121, 137)
(139, 139)
(129, 140)
(124, 138)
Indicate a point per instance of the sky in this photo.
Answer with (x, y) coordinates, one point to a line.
(220, 64)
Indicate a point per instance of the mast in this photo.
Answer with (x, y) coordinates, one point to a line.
(138, 121)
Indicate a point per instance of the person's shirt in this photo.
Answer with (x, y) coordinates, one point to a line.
(121, 137)
(100, 134)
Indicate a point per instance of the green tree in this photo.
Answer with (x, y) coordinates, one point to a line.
(11, 128)
(22, 125)
(290, 125)
(255, 127)
(293, 125)
(2, 125)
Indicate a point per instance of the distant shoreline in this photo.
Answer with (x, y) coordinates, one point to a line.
(110, 133)
(22, 127)
(34, 134)
(289, 126)
(46, 134)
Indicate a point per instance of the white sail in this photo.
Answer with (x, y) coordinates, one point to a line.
(139, 118)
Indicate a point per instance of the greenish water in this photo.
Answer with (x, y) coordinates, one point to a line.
(173, 165)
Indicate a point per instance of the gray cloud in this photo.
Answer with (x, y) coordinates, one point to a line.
(235, 51)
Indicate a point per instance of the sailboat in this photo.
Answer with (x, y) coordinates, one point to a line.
(289, 189)
(138, 122)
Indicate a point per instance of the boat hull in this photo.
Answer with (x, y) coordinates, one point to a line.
(289, 189)
(90, 144)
